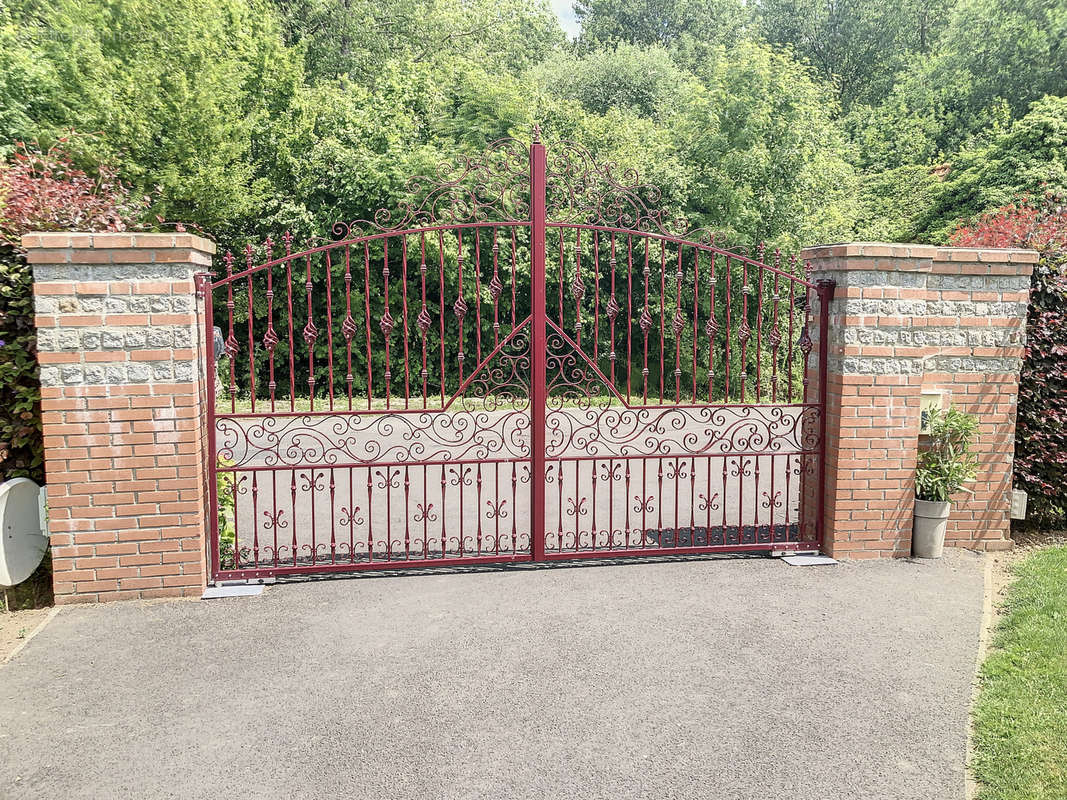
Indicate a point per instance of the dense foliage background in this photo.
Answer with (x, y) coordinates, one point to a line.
(793, 121)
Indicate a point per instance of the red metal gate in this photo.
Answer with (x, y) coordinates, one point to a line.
(530, 362)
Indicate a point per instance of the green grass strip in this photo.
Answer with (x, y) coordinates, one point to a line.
(1020, 719)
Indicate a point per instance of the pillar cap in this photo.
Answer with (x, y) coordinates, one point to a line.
(868, 250)
(102, 241)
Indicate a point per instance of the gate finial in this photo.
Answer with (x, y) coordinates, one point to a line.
(537, 134)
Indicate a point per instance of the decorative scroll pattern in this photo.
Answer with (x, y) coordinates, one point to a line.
(490, 420)
(493, 186)
(579, 190)
(580, 423)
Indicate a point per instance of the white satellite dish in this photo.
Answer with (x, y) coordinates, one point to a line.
(23, 540)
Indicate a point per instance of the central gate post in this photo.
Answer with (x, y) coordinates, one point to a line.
(538, 347)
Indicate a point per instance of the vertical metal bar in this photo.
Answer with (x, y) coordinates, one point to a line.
(776, 334)
(662, 320)
(444, 507)
(333, 519)
(792, 317)
(231, 341)
(514, 256)
(309, 336)
(423, 320)
(743, 329)
(404, 291)
(370, 516)
(236, 515)
(314, 545)
(646, 326)
(727, 300)
(629, 316)
(255, 519)
(366, 315)
(539, 346)
(514, 508)
(288, 239)
(407, 513)
(348, 329)
(692, 500)
(596, 296)
(712, 330)
(386, 322)
(270, 339)
(274, 511)
(826, 294)
(771, 500)
(579, 289)
(441, 314)
(478, 505)
(759, 331)
(329, 322)
(755, 501)
(559, 482)
(460, 309)
(496, 495)
(592, 524)
(612, 312)
(696, 314)
(676, 327)
(561, 279)
(251, 342)
(610, 502)
(425, 513)
(478, 298)
(292, 511)
(495, 287)
(725, 475)
(204, 288)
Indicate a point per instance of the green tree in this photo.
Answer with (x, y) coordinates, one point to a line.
(1028, 158)
(994, 52)
(767, 158)
(662, 22)
(858, 45)
(179, 90)
(643, 79)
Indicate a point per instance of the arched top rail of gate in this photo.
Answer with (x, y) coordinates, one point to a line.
(492, 190)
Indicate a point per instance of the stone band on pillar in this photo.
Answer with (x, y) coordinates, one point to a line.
(904, 319)
(121, 361)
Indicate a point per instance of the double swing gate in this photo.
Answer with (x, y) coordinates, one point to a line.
(527, 362)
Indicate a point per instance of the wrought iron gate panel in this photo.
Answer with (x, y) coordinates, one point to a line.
(529, 361)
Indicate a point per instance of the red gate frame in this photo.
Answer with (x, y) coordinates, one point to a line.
(538, 224)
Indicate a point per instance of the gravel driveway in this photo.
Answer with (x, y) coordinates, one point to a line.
(727, 678)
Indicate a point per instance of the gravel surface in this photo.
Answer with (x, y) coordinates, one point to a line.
(728, 678)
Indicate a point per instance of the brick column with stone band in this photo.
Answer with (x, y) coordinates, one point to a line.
(906, 319)
(120, 349)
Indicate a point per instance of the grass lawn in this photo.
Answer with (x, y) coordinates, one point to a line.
(1020, 719)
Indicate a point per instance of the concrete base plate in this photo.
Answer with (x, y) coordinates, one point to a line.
(808, 561)
(240, 590)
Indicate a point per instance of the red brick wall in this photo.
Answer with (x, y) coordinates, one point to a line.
(122, 407)
(907, 318)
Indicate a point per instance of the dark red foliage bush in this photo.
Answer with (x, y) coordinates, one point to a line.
(41, 190)
(1041, 430)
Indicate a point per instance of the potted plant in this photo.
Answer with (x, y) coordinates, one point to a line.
(944, 466)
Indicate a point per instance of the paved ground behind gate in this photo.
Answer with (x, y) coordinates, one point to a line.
(732, 678)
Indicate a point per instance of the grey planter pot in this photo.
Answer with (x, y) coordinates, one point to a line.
(928, 532)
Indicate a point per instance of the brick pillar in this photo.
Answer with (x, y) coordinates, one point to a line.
(905, 319)
(122, 400)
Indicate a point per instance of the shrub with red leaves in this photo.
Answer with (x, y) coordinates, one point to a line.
(1041, 430)
(45, 191)
(41, 190)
